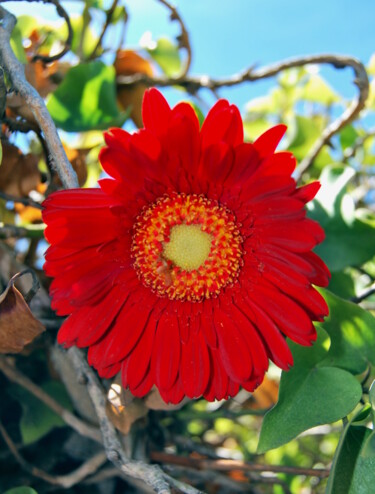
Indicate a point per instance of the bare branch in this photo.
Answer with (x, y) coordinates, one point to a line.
(183, 38)
(109, 15)
(150, 474)
(74, 422)
(225, 465)
(65, 481)
(16, 74)
(12, 231)
(68, 43)
(363, 296)
(26, 201)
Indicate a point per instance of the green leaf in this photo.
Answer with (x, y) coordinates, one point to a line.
(81, 28)
(344, 462)
(318, 90)
(21, 490)
(342, 284)
(302, 134)
(86, 99)
(166, 55)
(350, 235)
(348, 136)
(309, 395)
(352, 333)
(37, 419)
(17, 46)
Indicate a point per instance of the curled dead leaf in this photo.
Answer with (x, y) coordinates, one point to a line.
(128, 62)
(18, 326)
(265, 396)
(19, 173)
(77, 158)
(123, 409)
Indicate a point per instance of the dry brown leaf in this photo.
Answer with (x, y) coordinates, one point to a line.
(128, 62)
(123, 409)
(18, 326)
(265, 396)
(154, 401)
(77, 158)
(19, 173)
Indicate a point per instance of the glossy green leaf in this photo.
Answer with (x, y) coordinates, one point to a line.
(317, 90)
(371, 395)
(352, 333)
(344, 463)
(37, 419)
(342, 284)
(302, 134)
(350, 236)
(84, 39)
(310, 394)
(348, 136)
(166, 55)
(86, 99)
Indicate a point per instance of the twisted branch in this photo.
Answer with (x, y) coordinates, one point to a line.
(193, 84)
(31, 96)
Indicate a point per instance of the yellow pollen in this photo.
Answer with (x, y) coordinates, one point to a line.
(188, 246)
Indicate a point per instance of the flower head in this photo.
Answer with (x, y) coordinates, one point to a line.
(189, 267)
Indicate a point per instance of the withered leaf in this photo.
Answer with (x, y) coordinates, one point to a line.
(18, 326)
(123, 409)
(19, 173)
(128, 62)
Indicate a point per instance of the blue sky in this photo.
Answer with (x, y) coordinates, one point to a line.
(227, 36)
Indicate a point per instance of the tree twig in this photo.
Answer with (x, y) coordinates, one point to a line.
(225, 465)
(363, 296)
(68, 43)
(108, 19)
(65, 481)
(193, 84)
(31, 96)
(12, 231)
(152, 475)
(74, 422)
(26, 201)
(183, 38)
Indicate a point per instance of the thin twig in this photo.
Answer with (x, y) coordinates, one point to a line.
(183, 38)
(74, 422)
(366, 294)
(68, 43)
(66, 481)
(358, 144)
(193, 84)
(225, 465)
(12, 231)
(26, 201)
(32, 98)
(108, 19)
(152, 475)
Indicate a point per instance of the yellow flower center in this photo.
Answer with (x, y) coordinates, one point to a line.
(188, 246)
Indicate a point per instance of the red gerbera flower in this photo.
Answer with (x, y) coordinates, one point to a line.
(188, 268)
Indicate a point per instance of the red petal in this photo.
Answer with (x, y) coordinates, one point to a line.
(166, 352)
(235, 355)
(218, 383)
(195, 365)
(267, 142)
(156, 112)
(140, 357)
(223, 123)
